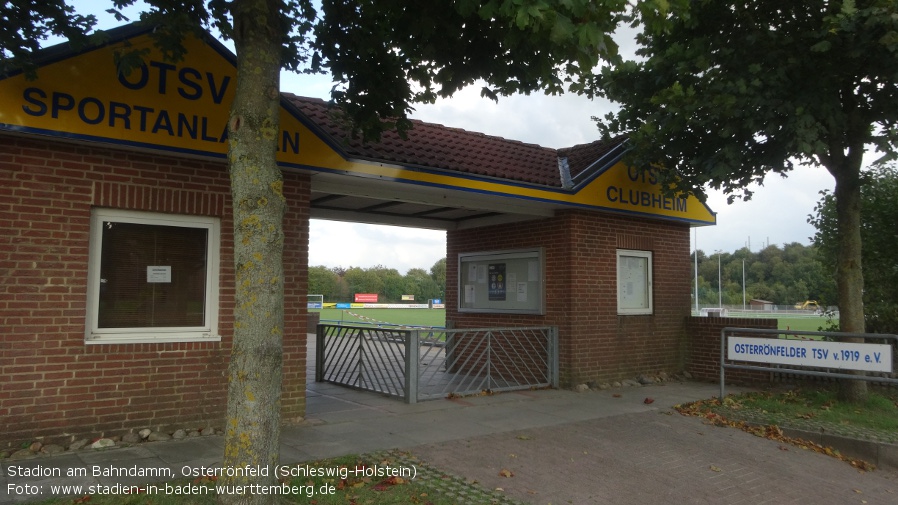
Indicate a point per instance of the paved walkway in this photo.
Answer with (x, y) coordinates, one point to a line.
(538, 446)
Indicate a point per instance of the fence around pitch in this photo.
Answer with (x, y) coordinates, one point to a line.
(441, 362)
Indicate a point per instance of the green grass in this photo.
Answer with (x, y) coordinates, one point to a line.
(437, 317)
(802, 323)
(809, 322)
(342, 487)
(821, 405)
(412, 317)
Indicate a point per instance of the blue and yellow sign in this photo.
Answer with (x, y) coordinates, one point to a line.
(184, 108)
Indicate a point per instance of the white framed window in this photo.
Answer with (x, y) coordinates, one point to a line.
(152, 278)
(634, 282)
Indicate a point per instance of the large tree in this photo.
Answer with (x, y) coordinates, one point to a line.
(728, 92)
(374, 49)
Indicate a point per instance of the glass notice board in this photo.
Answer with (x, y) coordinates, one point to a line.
(502, 281)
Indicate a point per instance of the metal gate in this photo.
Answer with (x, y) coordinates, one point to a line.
(420, 364)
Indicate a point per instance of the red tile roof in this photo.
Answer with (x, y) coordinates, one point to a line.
(435, 146)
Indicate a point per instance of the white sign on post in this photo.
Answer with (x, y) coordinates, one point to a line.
(812, 353)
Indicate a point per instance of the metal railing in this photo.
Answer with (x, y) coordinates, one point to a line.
(815, 371)
(420, 364)
(488, 360)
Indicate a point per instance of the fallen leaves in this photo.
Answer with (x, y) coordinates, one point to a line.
(389, 482)
(648, 401)
(506, 473)
(704, 410)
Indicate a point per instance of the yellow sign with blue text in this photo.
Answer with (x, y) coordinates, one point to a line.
(184, 108)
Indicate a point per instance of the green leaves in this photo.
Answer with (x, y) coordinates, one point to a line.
(386, 56)
(26, 24)
(735, 91)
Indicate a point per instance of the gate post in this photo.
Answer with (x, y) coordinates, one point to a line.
(412, 353)
(723, 387)
(319, 354)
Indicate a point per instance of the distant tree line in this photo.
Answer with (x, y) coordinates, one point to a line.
(784, 276)
(341, 284)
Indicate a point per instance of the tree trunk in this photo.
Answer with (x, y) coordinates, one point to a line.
(252, 433)
(849, 277)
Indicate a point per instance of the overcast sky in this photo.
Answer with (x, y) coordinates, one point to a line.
(777, 214)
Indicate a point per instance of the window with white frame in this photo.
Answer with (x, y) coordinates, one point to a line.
(634, 282)
(152, 277)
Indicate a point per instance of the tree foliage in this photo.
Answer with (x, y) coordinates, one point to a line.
(732, 91)
(388, 54)
(438, 272)
(27, 24)
(879, 218)
(341, 284)
(728, 92)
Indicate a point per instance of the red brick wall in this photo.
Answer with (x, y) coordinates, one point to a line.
(703, 360)
(52, 383)
(581, 299)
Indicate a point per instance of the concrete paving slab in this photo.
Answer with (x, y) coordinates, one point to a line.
(290, 455)
(189, 450)
(114, 454)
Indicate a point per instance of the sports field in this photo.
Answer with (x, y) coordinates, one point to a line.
(437, 317)
(808, 322)
(410, 317)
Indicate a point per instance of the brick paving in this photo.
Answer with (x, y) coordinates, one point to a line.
(657, 457)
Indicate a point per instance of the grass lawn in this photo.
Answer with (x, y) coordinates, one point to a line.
(411, 317)
(879, 413)
(810, 409)
(813, 408)
(437, 317)
(802, 323)
(809, 322)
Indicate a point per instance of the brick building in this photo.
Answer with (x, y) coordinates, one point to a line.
(116, 242)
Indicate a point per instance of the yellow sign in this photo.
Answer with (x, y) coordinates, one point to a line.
(626, 189)
(184, 108)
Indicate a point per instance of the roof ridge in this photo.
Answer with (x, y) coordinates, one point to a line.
(435, 125)
(432, 146)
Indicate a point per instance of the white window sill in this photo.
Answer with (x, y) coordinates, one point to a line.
(154, 338)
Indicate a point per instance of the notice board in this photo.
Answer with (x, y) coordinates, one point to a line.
(502, 281)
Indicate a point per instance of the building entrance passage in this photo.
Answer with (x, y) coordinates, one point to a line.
(424, 364)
